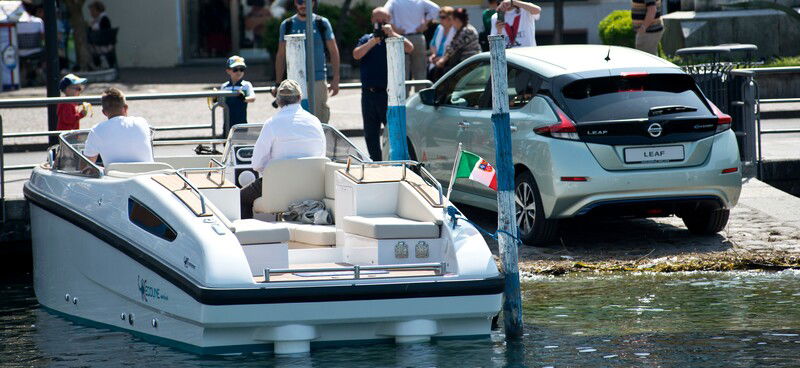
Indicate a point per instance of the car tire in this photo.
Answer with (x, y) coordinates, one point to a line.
(706, 221)
(534, 228)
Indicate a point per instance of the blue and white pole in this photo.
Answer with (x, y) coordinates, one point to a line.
(396, 89)
(506, 216)
(296, 63)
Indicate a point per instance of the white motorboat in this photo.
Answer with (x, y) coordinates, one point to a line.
(158, 249)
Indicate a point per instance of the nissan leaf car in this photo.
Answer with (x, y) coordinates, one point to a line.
(596, 131)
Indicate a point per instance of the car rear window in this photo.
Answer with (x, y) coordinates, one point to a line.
(630, 96)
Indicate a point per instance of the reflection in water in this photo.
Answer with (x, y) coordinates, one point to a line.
(695, 319)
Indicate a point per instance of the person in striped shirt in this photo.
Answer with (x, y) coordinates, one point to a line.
(647, 24)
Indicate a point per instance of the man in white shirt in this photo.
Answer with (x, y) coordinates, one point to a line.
(517, 24)
(121, 138)
(291, 133)
(410, 19)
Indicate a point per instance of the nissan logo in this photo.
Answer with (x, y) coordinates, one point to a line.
(655, 130)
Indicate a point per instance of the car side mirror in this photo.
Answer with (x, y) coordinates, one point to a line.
(428, 96)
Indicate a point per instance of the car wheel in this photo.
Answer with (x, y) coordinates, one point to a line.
(534, 228)
(706, 221)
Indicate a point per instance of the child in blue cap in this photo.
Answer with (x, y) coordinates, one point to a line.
(70, 114)
(237, 106)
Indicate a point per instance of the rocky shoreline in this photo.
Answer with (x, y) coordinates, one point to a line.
(751, 241)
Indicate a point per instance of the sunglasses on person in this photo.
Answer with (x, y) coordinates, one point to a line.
(442, 16)
(236, 70)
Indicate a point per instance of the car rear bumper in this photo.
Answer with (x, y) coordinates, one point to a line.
(704, 182)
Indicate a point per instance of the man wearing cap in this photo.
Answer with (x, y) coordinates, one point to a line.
(237, 106)
(324, 43)
(71, 113)
(291, 133)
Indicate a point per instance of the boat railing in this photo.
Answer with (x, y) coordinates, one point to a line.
(181, 173)
(424, 173)
(438, 269)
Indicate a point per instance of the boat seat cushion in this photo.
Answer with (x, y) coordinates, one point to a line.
(312, 234)
(389, 227)
(330, 178)
(250, 231)
(292, 180)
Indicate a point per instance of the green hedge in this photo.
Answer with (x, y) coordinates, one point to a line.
(617, 29)
(357, 23)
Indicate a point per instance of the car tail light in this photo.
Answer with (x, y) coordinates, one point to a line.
(723, 120)
(730, 170)
(633, 74)
(564, 129)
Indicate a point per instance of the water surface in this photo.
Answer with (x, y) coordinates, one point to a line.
(648, 320)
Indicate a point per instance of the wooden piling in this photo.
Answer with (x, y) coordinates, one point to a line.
(309, 59)
(396, 89)
(506, 216)
(296, 64)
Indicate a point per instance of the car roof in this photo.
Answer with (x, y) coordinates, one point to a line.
(552, 61)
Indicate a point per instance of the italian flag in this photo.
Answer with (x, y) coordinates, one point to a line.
(475, 168)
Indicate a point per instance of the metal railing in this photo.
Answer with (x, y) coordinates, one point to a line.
(751, 102)
(43, 102)
(405, 163)
(438, 269)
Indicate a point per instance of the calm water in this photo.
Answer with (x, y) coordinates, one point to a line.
(674, 320)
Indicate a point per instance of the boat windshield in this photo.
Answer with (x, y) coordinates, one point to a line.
(339, 148)
(69, 158)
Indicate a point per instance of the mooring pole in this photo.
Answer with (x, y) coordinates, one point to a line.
(309, 56)
(506, 224)
(396, 89)
(296, 64)
(51, 63)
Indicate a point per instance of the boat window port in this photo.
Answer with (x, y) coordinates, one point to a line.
(144, 218)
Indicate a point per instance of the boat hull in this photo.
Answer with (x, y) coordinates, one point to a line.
(86, 275)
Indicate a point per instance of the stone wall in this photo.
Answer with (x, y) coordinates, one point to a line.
(772, 31)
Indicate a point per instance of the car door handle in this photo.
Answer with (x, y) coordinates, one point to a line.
(513, 128)
(464, 124)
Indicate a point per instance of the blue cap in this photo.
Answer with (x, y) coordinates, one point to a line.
(70, 80)
(235, 61)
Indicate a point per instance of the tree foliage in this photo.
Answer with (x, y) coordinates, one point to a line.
(617, 29)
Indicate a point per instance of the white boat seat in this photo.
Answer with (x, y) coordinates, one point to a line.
(137, 168)
(389, 227)
(288, 181)
(330, 178)
(250, 231)
(312, 234)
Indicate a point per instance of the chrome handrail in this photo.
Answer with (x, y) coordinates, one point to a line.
(406, 163)
(438, 267)
(180, 173)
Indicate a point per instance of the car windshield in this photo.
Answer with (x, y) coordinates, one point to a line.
(631, 96)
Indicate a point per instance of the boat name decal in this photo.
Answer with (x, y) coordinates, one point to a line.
(149, 292)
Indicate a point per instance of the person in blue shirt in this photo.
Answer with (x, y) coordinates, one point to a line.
(324, 43)
(237, 106)
(371, 52)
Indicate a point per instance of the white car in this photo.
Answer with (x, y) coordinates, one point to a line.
(596, 130)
